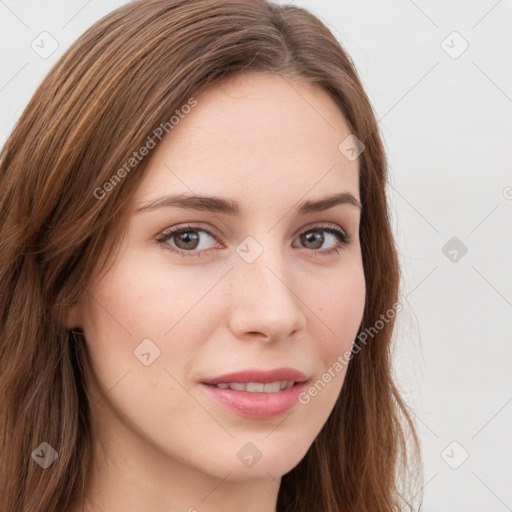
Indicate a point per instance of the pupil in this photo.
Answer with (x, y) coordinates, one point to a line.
(187, 238)
(310, 237)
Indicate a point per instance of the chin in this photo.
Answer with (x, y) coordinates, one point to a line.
(259, 458)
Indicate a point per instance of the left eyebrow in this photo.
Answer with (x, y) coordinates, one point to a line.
(232, 207)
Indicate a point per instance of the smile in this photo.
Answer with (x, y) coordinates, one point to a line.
(256, 387)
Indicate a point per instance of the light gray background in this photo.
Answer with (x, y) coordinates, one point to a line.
(447, 127)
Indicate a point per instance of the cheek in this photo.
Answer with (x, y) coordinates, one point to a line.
(140, 298)
(139, 301)
(121, 312)
(339, 312)
(340, 309)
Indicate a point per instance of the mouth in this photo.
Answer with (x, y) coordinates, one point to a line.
(255, 400)
(257, 393)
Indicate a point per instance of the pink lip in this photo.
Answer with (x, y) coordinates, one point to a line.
(263, 376)
(258, 405)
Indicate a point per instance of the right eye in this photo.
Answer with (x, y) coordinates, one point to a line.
(187, 239)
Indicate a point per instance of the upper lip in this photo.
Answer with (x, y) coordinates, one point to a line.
(263, 376)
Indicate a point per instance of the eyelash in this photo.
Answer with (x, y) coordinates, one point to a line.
(343, 239)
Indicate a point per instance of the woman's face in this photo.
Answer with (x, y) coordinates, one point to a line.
(269, 288)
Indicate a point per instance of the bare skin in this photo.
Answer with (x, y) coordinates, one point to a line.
(161, 442)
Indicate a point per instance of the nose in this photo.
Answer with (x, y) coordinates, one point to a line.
(266, 304)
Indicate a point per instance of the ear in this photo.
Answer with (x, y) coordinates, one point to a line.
(74, 318)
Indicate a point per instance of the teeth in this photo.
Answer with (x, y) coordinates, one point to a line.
(253, 387)
(275, 387)
(256, 387)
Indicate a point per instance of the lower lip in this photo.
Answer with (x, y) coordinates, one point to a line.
(257, 405)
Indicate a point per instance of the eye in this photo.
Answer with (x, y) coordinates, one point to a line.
(187, 239)
(314, 236)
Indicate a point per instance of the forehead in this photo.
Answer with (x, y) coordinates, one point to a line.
(255, 134)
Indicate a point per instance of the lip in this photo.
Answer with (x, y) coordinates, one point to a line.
(257, 405)
(263, 376)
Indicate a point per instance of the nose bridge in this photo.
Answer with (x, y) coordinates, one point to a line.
(265, 298)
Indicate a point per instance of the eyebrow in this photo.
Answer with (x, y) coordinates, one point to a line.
(232, 207)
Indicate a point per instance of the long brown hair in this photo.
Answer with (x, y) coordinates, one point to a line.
(99, 103)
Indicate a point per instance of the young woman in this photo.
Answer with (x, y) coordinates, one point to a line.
(199, 278)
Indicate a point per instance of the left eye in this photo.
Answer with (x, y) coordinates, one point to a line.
(187, 239)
